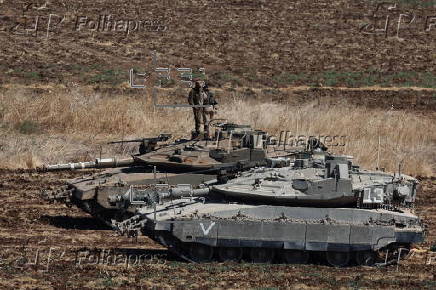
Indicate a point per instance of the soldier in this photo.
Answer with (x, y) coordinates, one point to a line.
(196, 98)
(208, 112)
(201, 96)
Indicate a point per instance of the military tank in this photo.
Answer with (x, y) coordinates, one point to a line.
(194, 161)
(321, 206)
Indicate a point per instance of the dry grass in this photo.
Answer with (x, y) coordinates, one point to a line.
(59, 127)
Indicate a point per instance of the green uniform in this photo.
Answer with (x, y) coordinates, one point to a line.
(203, 115)
(197, 97)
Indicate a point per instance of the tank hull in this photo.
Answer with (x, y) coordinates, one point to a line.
(219, 226)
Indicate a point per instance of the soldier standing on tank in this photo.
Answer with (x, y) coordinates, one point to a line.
(209, 111)
(201, 96)
(196, 98)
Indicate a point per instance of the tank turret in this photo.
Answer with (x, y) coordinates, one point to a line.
(332, 182)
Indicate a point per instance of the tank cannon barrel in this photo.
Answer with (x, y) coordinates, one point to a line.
(146, 144)
(160, 138)
(98, 163)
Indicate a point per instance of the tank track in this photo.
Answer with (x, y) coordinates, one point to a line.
(201, 253)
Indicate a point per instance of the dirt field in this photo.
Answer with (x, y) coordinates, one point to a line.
(64, 91)
(76, 251)
(256, 43)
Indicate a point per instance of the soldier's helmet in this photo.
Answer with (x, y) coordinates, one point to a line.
(197, 85)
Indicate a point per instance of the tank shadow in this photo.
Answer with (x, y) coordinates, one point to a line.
(75, 223)
(136, 169)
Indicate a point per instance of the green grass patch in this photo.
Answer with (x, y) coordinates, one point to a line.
(251, 75)
(84, 68)
(358, 79)
(168, 83)
(199, 75)
(33, 75)
(107, 280)
(429, 80)
(287, 78)
(28, 127)
(221, 78)
(109, 76)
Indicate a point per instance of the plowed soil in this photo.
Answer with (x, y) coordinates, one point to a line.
(257, 43)
(76, 251)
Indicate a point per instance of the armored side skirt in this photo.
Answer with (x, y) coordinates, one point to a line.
(287, 235)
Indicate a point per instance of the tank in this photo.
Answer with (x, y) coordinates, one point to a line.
(322, 207)
(232, 149)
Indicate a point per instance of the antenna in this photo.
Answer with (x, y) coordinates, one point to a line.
(286, 140)
(154, 97)
(399, 169)
(122, 131)
(154, 174)
(230, 142)
(218, 137)
(378, 154)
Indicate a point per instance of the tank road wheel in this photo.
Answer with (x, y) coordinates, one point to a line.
(338, 259)
(201, 253)
(261, 255)
(230, 254)
(365, 258)
(296, 257)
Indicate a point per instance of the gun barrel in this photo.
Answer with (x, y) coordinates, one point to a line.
(126, 141)
(98, 163)
(160, 138)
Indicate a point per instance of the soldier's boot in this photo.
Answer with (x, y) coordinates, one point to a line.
(206, 120)
(206, 135)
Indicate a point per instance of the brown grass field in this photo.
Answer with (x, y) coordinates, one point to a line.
(308, 67)
(49, 127)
